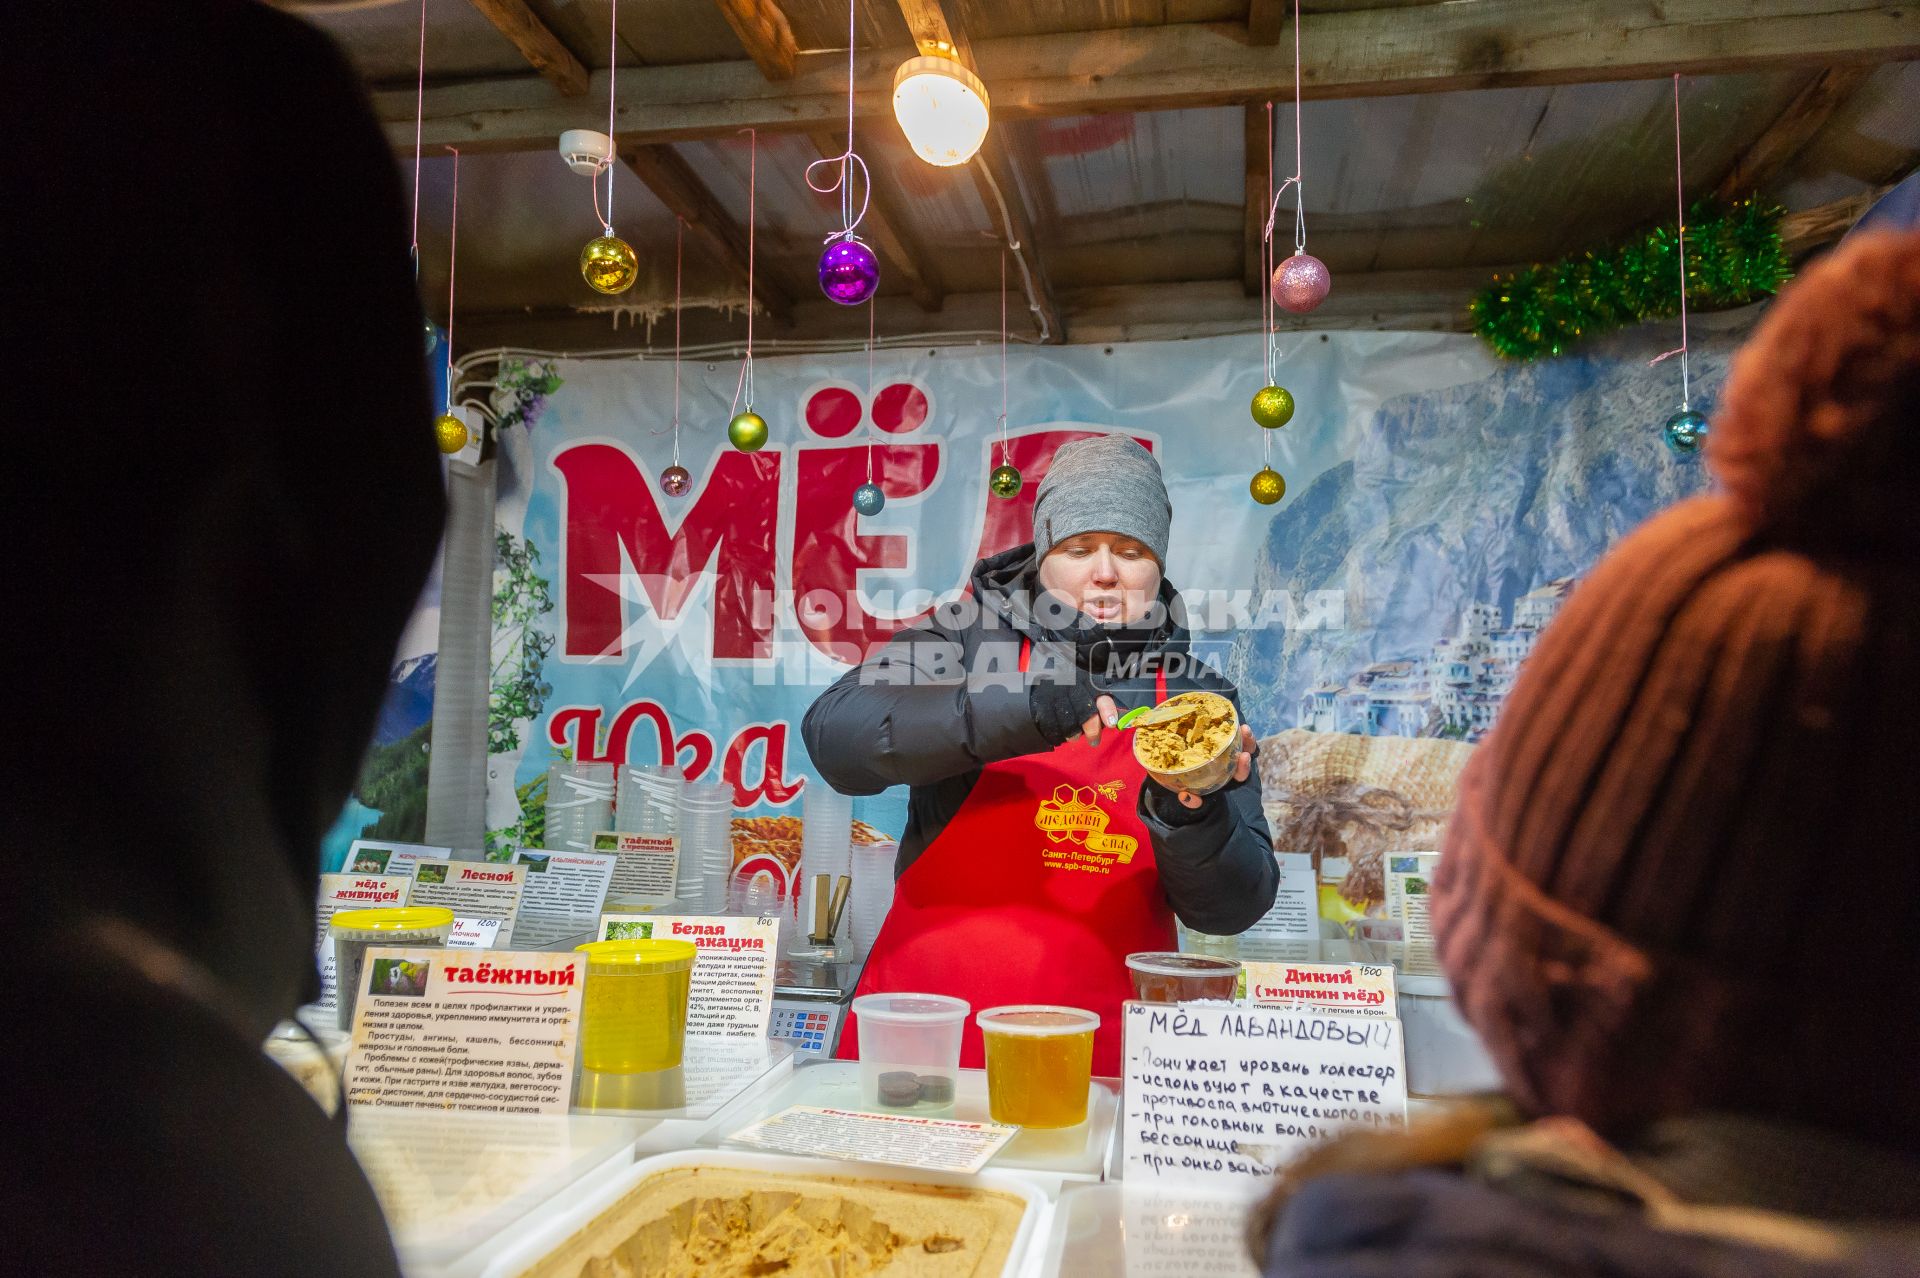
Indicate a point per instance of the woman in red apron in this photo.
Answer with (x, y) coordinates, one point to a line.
(1038, 854)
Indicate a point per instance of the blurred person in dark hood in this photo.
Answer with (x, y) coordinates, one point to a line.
(222, 500)
(1677, 898)
(1000, 713)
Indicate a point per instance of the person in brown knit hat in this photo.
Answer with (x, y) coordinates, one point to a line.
(1677, 898)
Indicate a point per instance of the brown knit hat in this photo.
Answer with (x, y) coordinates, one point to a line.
(1683, 871)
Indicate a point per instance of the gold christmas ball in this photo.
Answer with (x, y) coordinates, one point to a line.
(609, 264)
(1273, 406)
(747, 432)
(1268, 487)
(450, 433)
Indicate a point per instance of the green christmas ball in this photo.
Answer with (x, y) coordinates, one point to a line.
(1273, 406)
(747, 431)
(1004, 481)
(1685, 433)
(1268, 486)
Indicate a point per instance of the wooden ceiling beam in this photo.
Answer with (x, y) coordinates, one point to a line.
(674, 183)
(1791, 130)
(764, 33)
(1259, 166)
(890, 230)
(537, 44)
(1266, 19)
(1353, 53)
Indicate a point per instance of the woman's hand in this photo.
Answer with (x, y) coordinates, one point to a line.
(1242, 766)
(1106, 712)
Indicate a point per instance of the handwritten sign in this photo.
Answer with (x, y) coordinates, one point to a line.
(732, 991)
(492, 1032)
(935, 1144)
(646, 867)
(1225, 1093)
(1362, 988)
(472, 889)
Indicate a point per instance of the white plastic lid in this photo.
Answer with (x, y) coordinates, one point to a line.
(1037, 1020)
(911, 1009)
(1172, 963)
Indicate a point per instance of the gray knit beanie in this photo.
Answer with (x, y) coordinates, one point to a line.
(1107, 483)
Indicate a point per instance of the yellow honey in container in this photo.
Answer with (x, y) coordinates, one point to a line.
(633, 1016)
(1039, 1064)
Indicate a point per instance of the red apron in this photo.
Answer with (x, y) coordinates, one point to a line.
(1036, 892)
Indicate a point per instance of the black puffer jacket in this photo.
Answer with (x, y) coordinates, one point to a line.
(945, 698)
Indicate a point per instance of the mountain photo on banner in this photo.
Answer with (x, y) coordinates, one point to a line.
(1461, 522)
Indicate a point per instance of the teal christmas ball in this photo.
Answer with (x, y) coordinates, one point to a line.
(1686, 433)
(868, 499)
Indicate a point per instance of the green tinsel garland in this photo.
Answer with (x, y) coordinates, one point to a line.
(1734, 256)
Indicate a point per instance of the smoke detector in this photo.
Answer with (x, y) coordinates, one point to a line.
(586, 151)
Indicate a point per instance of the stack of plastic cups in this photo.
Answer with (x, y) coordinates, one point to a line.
(579, 804)
(872, 891)
(826, 833)
(649, 799)
(706, 846)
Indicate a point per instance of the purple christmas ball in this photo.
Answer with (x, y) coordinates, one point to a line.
(676, 481)
(1301, 283)
(849, 272)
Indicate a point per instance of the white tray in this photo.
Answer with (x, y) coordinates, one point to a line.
(1132, 1232)
(528, 1247)
(1070, 1154)
(449, 1181)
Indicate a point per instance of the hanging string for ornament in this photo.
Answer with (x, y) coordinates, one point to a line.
(1302, 282)
(1272, 405)
(849, 272)
(608, 263)
(674, 479)
(747, 430)
(419, 115)
(1686, 430)
(1005, 480)
(449, 431)
(869, 498)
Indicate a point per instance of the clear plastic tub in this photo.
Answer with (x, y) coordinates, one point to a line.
(633, 1016)
(1039, 1063)
(1170, 977)
(1208, 774)
(910, 1051)
(354, 932)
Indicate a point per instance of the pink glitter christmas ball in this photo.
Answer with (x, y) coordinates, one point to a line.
(676, 481)
(1301, 283)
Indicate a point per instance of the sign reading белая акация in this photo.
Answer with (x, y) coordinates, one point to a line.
(1225, 1093)
(489, 1031)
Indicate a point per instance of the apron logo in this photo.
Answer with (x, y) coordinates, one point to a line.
(1074, 815)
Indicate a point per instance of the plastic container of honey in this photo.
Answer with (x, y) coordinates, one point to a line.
(633, 1014)
(354, 932)
(1039, 1063)
(1172, 977)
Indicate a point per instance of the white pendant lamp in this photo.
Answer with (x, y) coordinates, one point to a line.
(942, 108)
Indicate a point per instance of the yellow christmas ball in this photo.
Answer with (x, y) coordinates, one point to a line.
(1273, 406)
(1268, 487)
(747, 432)
(609, 264)
(450, 433)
